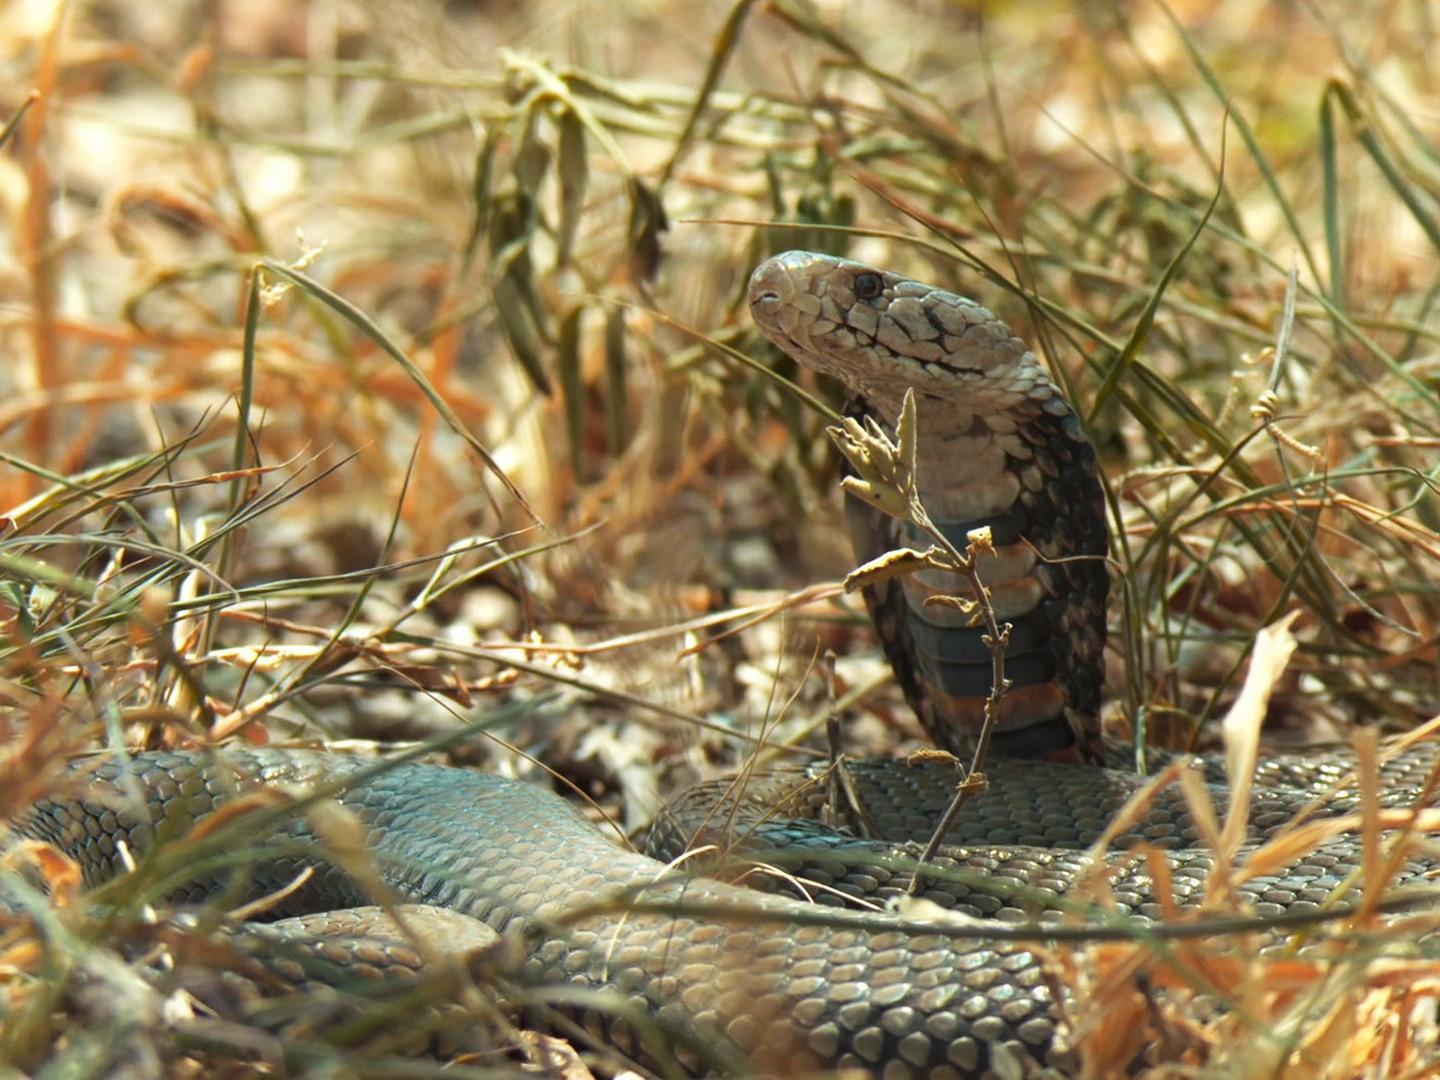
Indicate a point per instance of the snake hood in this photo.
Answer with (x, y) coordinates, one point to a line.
(880, 332)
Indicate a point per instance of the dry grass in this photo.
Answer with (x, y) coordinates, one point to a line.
(367, 368)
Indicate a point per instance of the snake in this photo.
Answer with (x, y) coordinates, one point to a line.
(685, 971)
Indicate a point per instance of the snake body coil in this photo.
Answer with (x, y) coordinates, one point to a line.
(740, 980)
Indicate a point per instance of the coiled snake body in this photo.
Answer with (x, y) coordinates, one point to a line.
(739, 980)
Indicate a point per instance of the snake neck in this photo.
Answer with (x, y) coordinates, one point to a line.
(1028, 472)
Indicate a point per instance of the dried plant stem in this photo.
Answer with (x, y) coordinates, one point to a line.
(885, 478)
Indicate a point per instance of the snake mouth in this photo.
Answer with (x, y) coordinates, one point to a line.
(763, 304)
(773, 290)
(768, 309)
(766, 297)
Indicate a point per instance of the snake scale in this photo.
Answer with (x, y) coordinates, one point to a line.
(742, 981)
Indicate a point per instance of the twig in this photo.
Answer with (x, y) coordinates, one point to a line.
(885, 478)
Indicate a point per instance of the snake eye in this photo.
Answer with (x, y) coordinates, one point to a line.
(868, 286)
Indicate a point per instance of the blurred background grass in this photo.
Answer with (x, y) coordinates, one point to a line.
(484, 434)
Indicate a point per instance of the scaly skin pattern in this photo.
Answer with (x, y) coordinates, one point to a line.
(751, 991)
(739, 981)
(1032, 827)
(998, 446)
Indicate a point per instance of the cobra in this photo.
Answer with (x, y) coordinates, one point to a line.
(1000, 447)
(743, 982)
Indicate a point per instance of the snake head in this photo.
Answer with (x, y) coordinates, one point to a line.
(879, 332)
